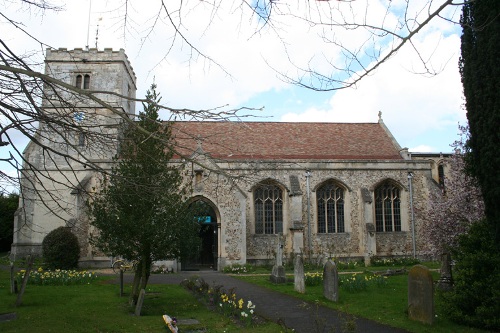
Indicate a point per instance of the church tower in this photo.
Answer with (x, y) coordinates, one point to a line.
(81, 119)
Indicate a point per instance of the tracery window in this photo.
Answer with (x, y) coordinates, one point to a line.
(330, 204)
(268, 205)
(387, 208)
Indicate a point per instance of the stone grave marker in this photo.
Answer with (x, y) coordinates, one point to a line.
(420, 294)
(445, 281)
(278, 272)
(298, 274)
(331, 281)
(140, 300)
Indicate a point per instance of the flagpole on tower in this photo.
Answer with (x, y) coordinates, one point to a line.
(88, 25)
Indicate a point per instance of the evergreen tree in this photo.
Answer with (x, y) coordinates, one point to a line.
(141, 212)
(8, 206)
(475, 300)
(481, 82)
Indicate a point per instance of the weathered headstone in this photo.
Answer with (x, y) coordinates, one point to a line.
(140, 300)
(298, 273)
(331, 281)
(121, 282)
(12, 279)
(279, 252)
(278, 273)
(445, 281)
(420, 294)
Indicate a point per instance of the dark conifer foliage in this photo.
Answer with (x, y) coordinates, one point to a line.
(141, 212)
(480, 71)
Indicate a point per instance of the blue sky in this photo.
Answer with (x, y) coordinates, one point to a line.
(422, 112)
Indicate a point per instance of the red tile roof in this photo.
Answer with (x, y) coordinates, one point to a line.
(278, 140)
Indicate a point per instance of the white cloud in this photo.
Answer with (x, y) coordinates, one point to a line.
(423, 149)
(411, 104)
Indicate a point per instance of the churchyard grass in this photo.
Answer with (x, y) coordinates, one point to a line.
(383, 302)
(97, 307)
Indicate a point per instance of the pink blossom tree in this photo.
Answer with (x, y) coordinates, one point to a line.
(458, 204)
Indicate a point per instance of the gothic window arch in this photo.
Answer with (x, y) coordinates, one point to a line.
(330, 204)
(441, 175)
(387, 207)
(268, 208)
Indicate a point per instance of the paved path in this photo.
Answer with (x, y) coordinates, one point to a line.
(281, 308)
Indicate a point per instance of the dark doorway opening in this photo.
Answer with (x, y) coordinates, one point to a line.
(205, 257)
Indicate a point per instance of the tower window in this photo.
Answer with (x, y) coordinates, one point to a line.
(81, 139)
(83, 79)
(86, 81)
(79, 79)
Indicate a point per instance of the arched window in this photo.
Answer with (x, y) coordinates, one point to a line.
(387, 208)
(86, 81)
(268, 205)
(441, 175)
(79, 79)
(81, 140)
(330, 203)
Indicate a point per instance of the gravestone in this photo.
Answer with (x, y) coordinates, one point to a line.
(445, 281)
(171, 323)
(298, 273)
(331, 281)
(420, 294)
(278, 272)
(140, 300)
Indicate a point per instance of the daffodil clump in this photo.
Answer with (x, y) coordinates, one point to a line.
(351, 264)
(351, 283)
(238, 269)
(397, 261)
(360, 282)
(230, 306)
(313, 278)
(58, 277)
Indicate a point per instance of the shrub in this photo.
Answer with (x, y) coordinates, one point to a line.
(475, 299)
(61, 249)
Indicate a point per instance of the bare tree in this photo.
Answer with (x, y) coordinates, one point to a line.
(356, 37)
(360, 36)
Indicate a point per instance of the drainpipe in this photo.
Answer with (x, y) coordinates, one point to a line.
(410, 177)
(308, 175)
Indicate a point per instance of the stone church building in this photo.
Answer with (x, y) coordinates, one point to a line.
(345, 190)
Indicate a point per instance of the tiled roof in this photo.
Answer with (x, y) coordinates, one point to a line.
(278, 140)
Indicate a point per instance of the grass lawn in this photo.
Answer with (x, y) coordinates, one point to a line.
(99, 308)
(384, 304)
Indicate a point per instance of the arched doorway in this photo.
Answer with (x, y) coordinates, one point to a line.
(207, 253)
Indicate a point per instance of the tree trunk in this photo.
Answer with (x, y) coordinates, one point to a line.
(135, 285)
(19, 300)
